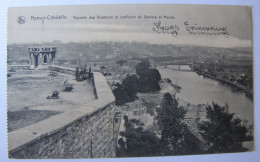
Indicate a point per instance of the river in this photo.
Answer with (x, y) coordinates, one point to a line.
(200, 90)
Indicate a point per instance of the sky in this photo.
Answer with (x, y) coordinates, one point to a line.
(236, 20)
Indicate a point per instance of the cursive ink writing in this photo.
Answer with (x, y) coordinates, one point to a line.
(169, 29)
(206, 30)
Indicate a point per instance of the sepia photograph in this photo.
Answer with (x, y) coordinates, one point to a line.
(118, 81)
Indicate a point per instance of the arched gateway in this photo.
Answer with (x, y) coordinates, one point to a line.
(42, 55)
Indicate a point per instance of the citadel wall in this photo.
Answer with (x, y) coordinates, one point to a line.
(84, 132)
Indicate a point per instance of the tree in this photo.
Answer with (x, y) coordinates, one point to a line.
(222, 131)
(149, 81)
(130, 85)
(121, 62)
(126, 92)
(169, 118)
(148, 78)
(121, 150)
(139, 142)
(142, 67)
(102, 68)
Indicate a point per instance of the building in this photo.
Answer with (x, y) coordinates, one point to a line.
(41, 56)
(135, 110)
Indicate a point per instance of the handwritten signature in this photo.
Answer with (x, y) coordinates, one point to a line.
(205, 30)
(169, 29)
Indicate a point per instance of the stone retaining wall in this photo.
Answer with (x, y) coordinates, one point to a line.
(84, 132)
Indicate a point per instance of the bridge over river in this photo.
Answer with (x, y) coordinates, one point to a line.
(178, 67)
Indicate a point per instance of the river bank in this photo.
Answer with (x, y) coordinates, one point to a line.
(248, 91)
(197, 89)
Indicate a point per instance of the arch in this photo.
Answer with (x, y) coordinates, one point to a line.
(45, 59)
(36, 61)
(53, 57)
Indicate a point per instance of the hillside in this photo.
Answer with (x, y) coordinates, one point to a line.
(100, 51)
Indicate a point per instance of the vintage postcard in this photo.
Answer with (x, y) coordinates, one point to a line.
(107, 81)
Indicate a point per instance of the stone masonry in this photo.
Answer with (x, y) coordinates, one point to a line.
(89, 137)
(84, 132)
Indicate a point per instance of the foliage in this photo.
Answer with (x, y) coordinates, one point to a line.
(130, 85)
(121, 150)
(149, 78)
(102, 68)
(170, 117)
(121, 62)
(139, 142)
(149, 81)
(126, 92)
(223, 132)
(142, 67)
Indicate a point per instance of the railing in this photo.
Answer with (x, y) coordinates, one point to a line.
(19, 67)
(42, 49)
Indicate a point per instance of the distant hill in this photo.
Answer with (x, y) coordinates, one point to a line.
(100, 51)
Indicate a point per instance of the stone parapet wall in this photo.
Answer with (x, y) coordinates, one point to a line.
(84, 132)
(19, 67)
(61, 69)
